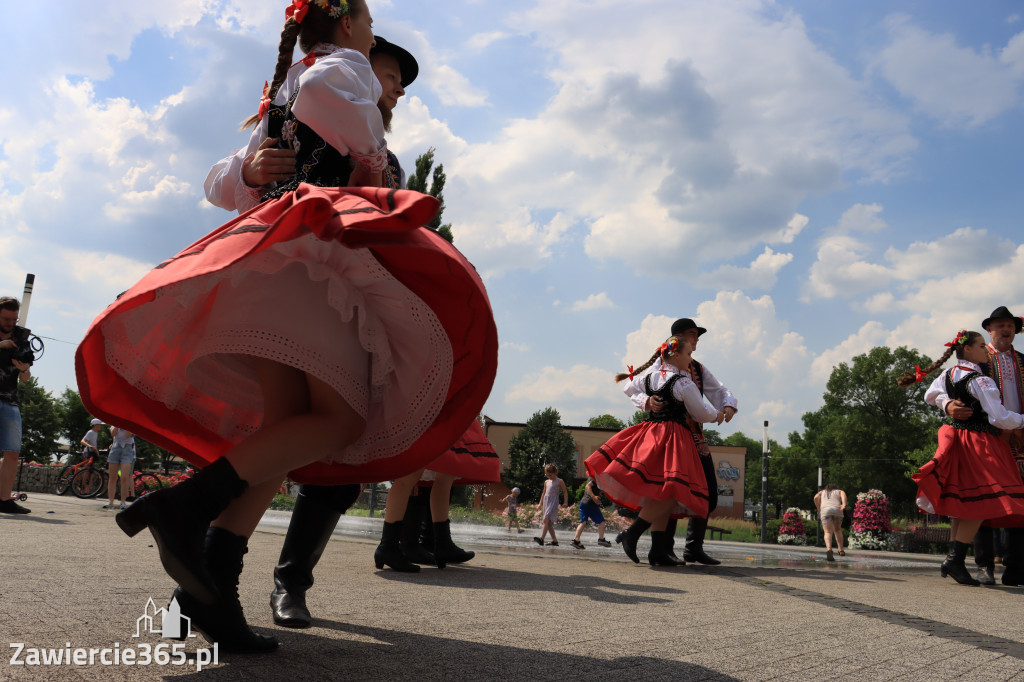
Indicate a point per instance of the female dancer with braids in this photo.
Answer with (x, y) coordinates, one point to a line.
(654, 467)
(972, 476)
(281, 344)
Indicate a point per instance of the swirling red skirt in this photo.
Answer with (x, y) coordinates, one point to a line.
(972, 476)
(652, 461)
(471, 459)
(346, 285)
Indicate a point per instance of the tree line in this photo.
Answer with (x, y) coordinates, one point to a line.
(868, 434)
(47, 421)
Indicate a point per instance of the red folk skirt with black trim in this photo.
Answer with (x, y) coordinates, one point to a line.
(649, 462)
(471, 460)
(343, 284)
(972, 476)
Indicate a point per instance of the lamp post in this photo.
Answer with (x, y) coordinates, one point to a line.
(765, 450)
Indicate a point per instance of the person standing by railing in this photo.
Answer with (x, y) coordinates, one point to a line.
(121, 456)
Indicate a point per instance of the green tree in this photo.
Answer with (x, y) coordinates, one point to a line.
(606, 421)
(870, 432)
(40, 425)
(418, 182)
(541, 441)
(73, 418)
(638, 417)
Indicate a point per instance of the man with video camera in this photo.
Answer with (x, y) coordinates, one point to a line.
(15, 359)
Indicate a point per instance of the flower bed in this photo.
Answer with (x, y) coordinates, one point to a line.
(792, 531)
(872, 528)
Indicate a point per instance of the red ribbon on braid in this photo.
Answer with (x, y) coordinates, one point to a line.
(297, 10)
(264, 101)
(919, 374)
(630, 368)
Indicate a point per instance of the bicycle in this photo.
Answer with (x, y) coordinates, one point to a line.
(89, 481)
(143, 483)
(68, 473)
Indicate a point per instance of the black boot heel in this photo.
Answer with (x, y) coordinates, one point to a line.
(389, 551)
(133, 519)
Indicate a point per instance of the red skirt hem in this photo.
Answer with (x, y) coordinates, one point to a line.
(389, 224)
(972, 476)
(652, 461)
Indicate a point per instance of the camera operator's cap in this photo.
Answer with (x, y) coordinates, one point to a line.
(685, 323)
(406, 62)
(96, 422)
(1002, 313)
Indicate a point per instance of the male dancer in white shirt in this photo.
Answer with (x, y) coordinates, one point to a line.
(1006, 367)
(722, 399)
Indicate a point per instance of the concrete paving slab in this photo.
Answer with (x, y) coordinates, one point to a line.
(74, 581)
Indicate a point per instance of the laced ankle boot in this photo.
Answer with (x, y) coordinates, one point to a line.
(658, 554)
(178, 518)
(630, 537)
(389, 551)
(954, 564)
(446, 551)
(412, 548)
(223, 622)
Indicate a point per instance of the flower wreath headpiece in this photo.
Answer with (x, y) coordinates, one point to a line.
(335, 9)
(670, 346)
(961, 339)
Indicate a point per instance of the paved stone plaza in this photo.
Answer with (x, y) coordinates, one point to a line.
(72, 580)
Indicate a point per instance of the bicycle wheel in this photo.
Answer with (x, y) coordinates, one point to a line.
(146, 483)
(64, 480)
(88, 483)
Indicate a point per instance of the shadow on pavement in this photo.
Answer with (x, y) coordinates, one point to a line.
(378, 654)
(593, 587)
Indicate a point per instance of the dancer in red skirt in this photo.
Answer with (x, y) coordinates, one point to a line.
(426, 527)
(654, 466)
(973, 476)
(326, 334)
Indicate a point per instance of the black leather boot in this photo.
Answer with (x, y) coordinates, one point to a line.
(389, 551)
(670, 540)
(446, 551)
(954, 564)
(630, 537)
(694, 551)
(1013, 574)
(223, 622)
(426, 520)
(316, 513)
(411, 529)
(658, 555)
(178, 518)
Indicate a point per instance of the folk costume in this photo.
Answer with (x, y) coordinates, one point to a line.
(973, 475)
(1006, 369)
(344, 284)
(658, 458)
(720, 397)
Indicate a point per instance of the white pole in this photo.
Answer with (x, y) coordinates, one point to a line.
(819, 477)
(26, 298)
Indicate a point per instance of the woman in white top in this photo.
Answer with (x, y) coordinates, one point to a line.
(830, 503)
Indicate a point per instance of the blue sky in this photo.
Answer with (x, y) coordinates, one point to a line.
(806, 179)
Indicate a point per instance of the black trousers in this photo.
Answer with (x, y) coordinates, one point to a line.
(711, 479)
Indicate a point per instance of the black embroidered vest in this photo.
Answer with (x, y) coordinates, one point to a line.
(978, 421)
(674, 410)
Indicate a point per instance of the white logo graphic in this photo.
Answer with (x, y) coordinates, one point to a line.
(170, 621)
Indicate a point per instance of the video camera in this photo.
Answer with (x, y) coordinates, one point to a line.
(28, 346)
